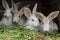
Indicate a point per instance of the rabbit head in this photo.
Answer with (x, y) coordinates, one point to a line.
(32, 20)
(17, 13)
(7, 17)
(46, 21)
(7, 9)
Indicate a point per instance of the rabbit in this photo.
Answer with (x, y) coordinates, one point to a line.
(7, 17)
(32, 21)
(47, 24)
(18, 14)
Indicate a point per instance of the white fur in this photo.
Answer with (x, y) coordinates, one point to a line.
(18, 13)
(32, 24)
(47, 23)
(32, 21)
(7, 17)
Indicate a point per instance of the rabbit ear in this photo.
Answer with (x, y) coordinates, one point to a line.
(40, 15)
(27, 12)
(26, 6)
(34, 9)
(22, 10)
(17, 4)
(14, 7)
(53, 15)
(5, 4)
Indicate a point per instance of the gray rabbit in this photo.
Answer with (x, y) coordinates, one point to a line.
(7, 17)
(47, 24)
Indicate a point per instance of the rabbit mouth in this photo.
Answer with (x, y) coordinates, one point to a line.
(15, 23)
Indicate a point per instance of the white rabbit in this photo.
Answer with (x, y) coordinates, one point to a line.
(7, 17)
(32, 21)
(47, 23)
(18, 14)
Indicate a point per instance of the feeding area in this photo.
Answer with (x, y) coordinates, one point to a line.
(29, 20)
(21, 33)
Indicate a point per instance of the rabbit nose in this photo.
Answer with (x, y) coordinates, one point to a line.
(15, 20)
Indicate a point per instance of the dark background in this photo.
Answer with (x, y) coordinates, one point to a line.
(44, 6)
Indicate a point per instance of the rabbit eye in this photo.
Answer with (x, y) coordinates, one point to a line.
(32, 20)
